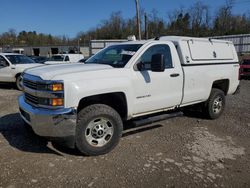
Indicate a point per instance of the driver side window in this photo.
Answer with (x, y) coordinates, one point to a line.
(3, 62)
(157, 49)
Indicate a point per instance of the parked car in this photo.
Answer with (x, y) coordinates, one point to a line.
(64, 58)
(85, 104)
(245, 68)
(12, 65)
(39, 59)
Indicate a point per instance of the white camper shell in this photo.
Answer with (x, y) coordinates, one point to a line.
(195, 51)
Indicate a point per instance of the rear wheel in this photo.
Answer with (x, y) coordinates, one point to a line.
(99, 128)
(215, 105)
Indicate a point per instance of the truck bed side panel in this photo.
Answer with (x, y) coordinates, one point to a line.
(199, 80)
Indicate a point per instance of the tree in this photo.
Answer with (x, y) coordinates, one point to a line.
(180, 23)
(193, 21)
(199, 16)
(222, 22)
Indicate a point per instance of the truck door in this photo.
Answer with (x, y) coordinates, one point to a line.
(5, 70)
(157, 90)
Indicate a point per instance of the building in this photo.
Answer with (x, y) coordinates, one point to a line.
(47, 51)
(96, 45)
(241, 42)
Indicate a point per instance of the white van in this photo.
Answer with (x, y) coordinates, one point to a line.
(64, 58)
(18, 50)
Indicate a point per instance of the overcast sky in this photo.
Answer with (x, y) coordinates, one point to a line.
(68, 17)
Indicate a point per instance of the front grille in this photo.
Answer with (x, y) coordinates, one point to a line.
(31, 99)
(37, 92)
(30, 84)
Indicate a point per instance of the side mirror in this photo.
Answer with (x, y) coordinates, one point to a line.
(158, 63)
(82, 60)
(140, 66)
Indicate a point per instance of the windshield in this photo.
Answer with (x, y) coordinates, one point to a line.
(246, 62)
(57, 58)
(19, 59)
(116, 56)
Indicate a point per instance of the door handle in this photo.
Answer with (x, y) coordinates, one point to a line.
(174, 74)
(13, 68)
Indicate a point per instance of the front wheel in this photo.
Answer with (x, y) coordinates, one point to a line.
(18, 82)
(99, 128)
(215, 105)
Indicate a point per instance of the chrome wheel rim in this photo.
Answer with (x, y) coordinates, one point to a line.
(19, 83)
(99, 132)
(217, 105)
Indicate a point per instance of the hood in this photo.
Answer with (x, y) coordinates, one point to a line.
(26, 66)
(50, 71)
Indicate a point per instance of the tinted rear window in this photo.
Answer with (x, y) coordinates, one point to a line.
(57, 58)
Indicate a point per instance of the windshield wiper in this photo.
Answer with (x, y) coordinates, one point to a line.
(105, 63)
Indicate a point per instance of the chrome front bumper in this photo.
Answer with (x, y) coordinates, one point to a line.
(57, 123)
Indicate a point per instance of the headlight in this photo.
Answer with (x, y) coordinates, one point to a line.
(57, 87)
(57, 102)
(50, 87)
(54, 102)
(55, 97)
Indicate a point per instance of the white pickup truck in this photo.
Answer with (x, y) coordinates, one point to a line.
(12, 65)
(86, 104)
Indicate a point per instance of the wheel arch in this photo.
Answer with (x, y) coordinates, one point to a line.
(18, 74)
(116, 100)
(222, 84)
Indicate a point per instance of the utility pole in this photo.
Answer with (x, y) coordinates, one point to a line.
(79, 45)
(138, 19)
(146, 26)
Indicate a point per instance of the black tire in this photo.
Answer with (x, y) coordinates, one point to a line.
(90, 116)
(18, 82)
(215, 104)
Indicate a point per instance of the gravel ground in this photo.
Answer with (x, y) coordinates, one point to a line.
(185, 151)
